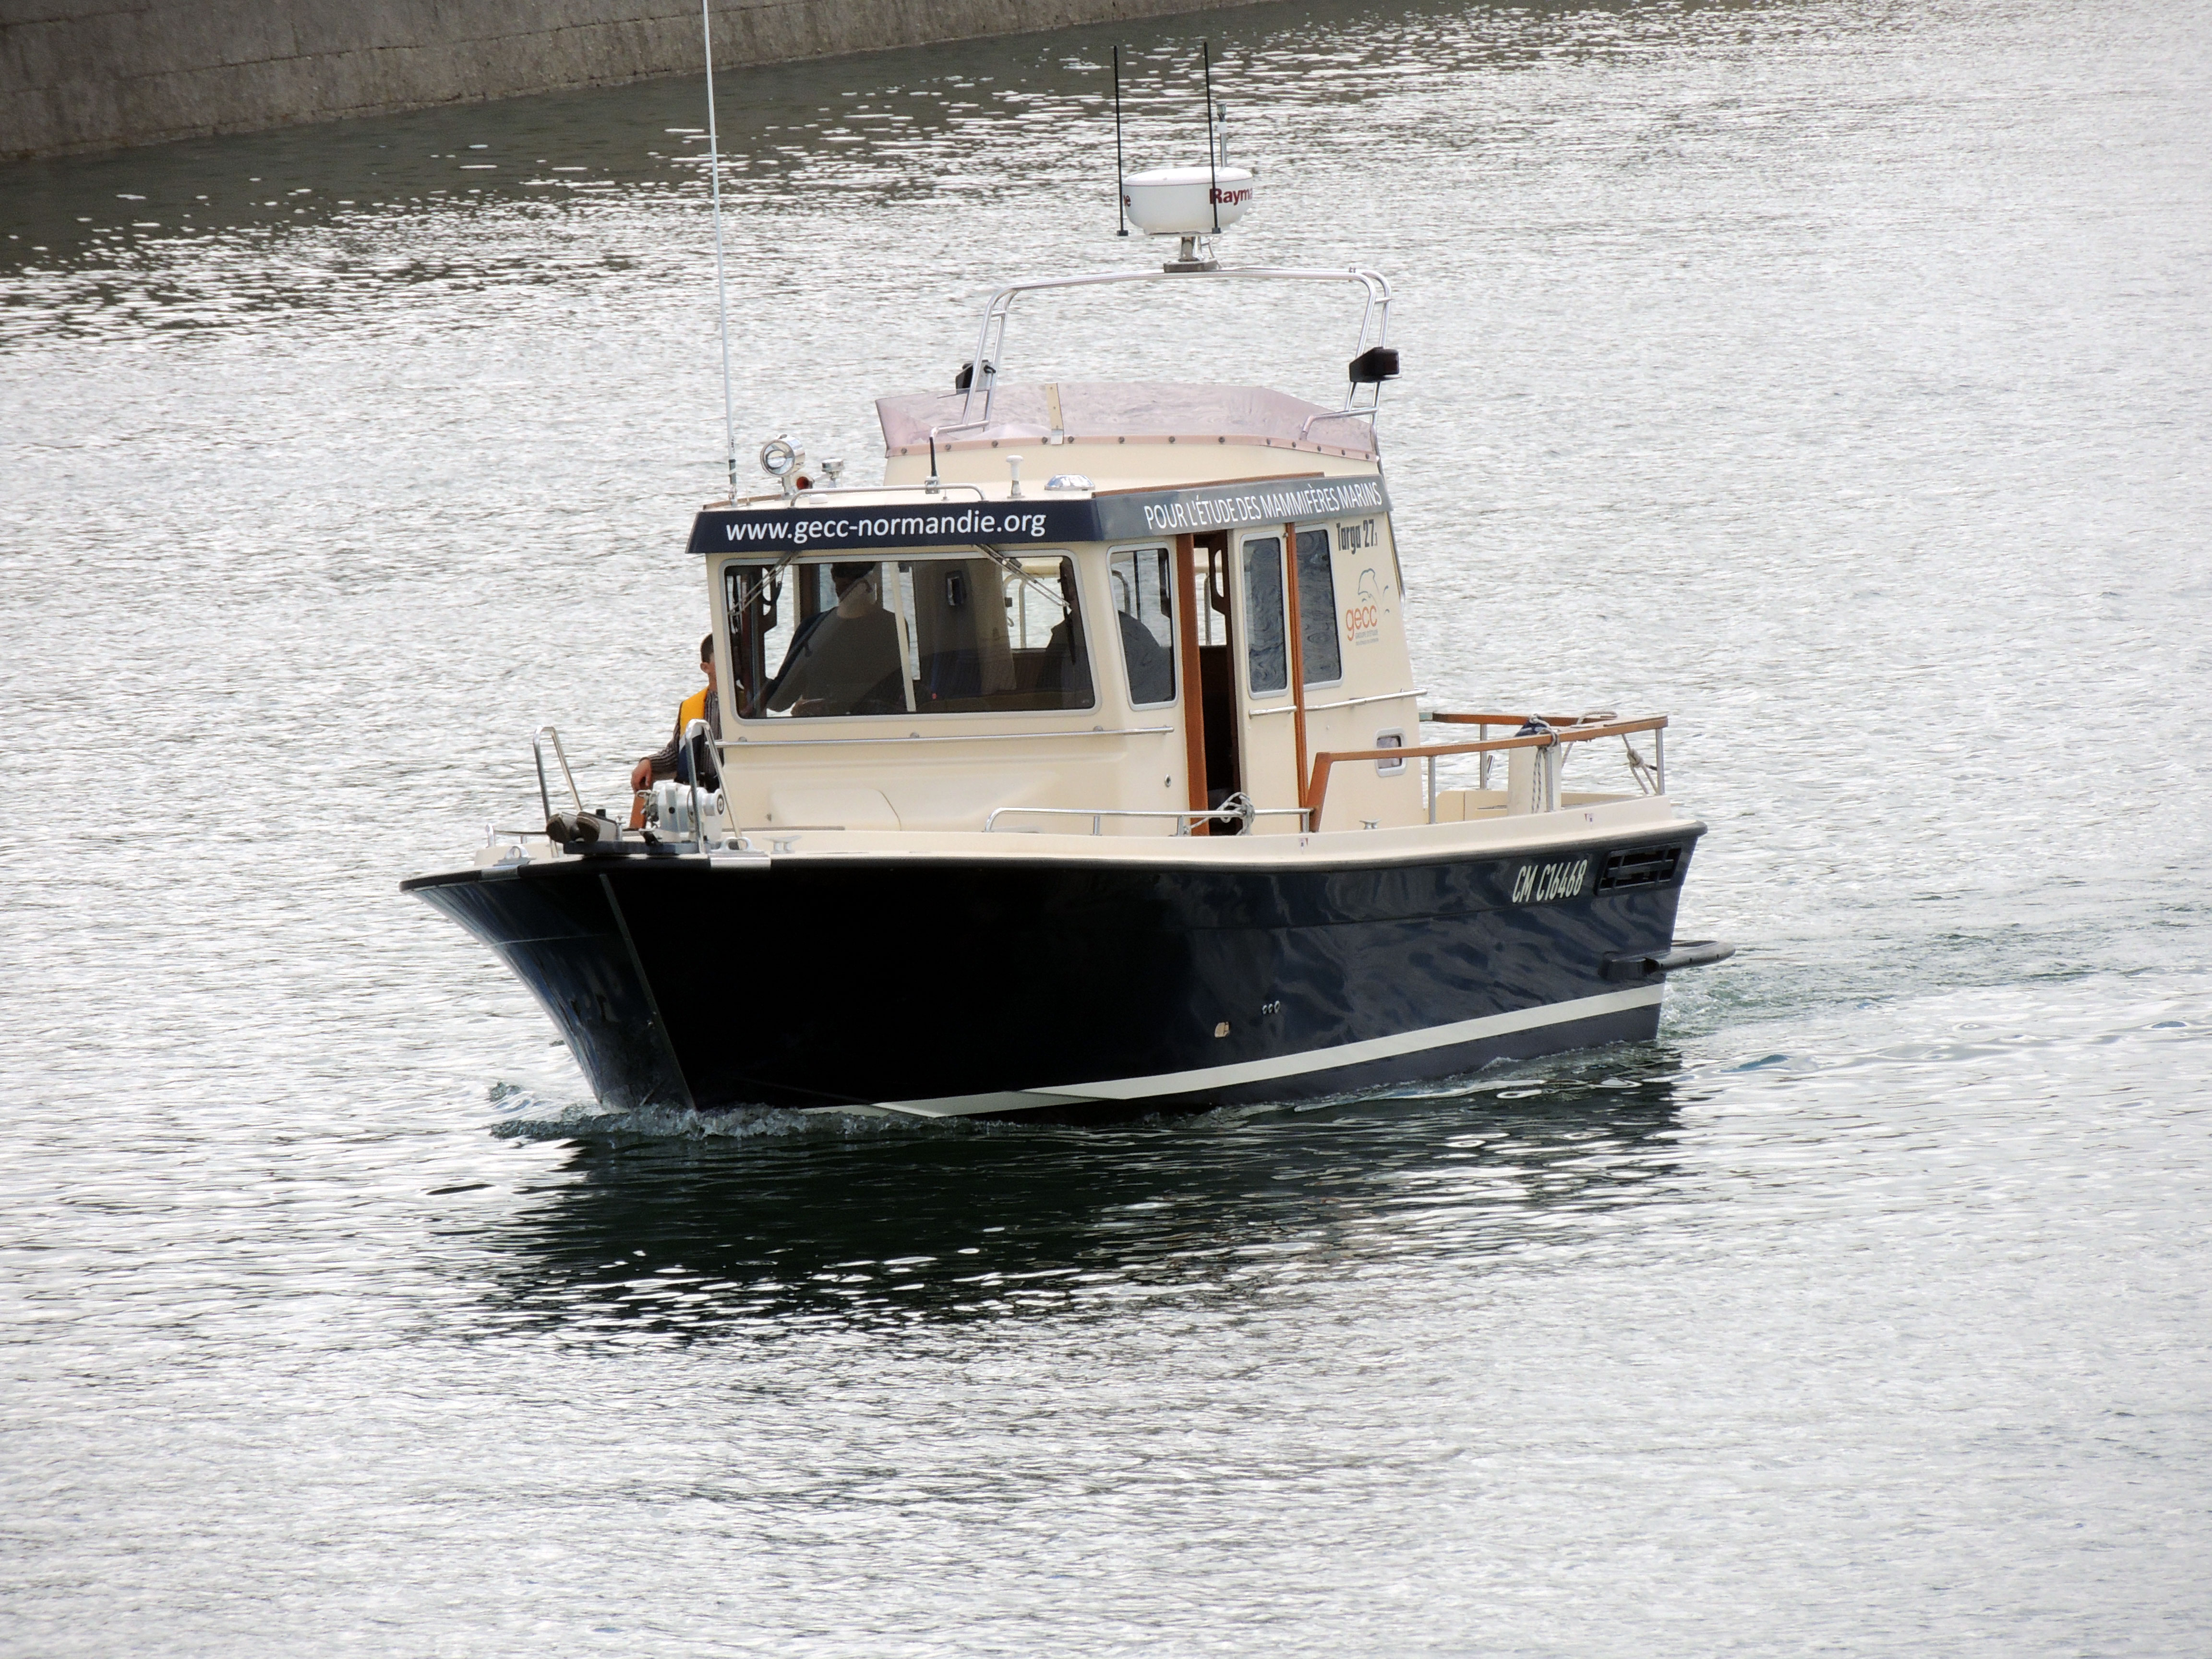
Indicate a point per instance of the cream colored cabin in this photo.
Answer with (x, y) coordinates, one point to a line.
(1234, 618)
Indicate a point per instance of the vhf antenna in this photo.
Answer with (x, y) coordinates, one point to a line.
(1213, 174)
(1120, 209)
(721, 284)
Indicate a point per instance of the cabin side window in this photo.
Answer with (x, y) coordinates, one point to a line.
(1322, 653)
(1266, 654)
(949, 636)
(1142, 581)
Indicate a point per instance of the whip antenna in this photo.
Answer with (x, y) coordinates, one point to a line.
(1212, 166)
(721, 284)
(1121, 207)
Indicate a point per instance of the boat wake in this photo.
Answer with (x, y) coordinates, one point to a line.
(526, 1117)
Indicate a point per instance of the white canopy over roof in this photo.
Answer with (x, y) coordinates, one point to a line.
(1140, 411)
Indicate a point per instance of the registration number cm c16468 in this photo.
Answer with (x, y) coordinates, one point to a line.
(1539, 884)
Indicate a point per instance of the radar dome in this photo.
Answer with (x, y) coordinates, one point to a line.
(1183, 201)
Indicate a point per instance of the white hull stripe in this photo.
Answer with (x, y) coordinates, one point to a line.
(1282, 1066)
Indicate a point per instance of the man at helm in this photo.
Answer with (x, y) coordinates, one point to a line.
(844, 661)
(671, 760)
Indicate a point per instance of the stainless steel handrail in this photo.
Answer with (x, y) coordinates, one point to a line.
(727, 743)
(992, 338)
(695, 730)
(538, 753)
(1354, 703)
(1185, 819)
(1363, 412)
(1324, 708)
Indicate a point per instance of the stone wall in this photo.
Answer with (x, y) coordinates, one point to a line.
(84, 75)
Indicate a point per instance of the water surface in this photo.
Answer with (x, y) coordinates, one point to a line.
(1828, 376)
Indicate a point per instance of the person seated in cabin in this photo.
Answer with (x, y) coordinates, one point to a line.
(1151, 670)
(674, 759)
(844, 661)
(1151, 666)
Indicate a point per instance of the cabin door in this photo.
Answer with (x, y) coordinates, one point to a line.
(1209, 700)
(1260, 655)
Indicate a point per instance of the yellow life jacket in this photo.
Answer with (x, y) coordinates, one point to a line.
(694, 708)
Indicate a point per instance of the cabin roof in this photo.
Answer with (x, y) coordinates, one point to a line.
(1142, 411)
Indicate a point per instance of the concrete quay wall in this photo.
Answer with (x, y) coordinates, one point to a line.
(88, 75)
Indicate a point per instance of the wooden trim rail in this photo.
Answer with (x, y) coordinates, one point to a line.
(1317, 790)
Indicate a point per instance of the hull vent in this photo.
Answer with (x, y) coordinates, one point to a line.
(1639, 866)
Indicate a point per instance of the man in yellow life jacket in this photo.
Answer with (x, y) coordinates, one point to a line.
(670, 760)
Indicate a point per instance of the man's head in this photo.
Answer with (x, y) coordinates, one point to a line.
(707, 656)
(855, 586)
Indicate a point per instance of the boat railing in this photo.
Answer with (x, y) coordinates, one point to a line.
(990, 344)
(1650, 775)
(1563, 729)
(744, 747)
(1238, 809)
(693, 734)
(538, 753)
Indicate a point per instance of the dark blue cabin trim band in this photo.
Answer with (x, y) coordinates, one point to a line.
(830, 527)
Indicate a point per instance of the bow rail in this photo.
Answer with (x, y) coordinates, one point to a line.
(1570, 729)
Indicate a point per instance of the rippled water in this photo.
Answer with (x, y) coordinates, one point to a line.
(1829, 375)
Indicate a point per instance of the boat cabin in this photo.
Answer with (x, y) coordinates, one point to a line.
(1129, 609)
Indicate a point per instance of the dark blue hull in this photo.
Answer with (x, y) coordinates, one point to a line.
(1071, 989)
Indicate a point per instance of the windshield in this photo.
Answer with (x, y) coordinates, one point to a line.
(918, 636)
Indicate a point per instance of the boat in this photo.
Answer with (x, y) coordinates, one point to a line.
(1078, 771)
